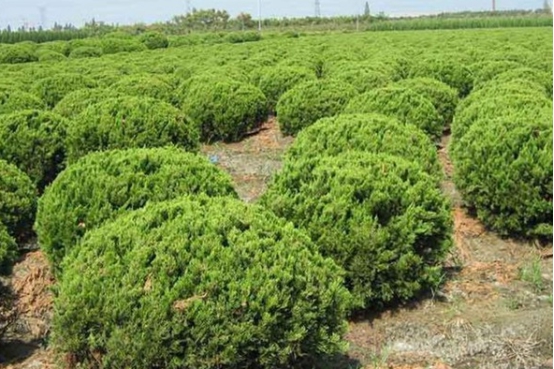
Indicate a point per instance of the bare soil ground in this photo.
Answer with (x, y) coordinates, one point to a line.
(494, 310)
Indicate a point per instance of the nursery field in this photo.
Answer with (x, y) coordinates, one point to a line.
(336, 200)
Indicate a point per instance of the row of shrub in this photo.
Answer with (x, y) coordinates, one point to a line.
(54, 51)
(502, 151)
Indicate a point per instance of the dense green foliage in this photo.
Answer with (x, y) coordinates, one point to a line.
(499, 105)
(402, 103)
(154, 40)
(86, 52)
(15, 54)
(444, 98)
(448, 69)
(146, 86)
(49, 56)
(310, 101)
(200, 283)
(361, 76)
(483, 72)
(114, 45)
(8, 253)
(17, 200)
(529, 74)
(504, 171)
(130, 122)
(103, 185)
(223, 108)
(275, 81)
(36, 143)
(381, 217)
(52, 89)
(372, 133)
(12, 100)
(77, 101)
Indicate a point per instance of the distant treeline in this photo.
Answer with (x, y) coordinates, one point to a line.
(219, 20)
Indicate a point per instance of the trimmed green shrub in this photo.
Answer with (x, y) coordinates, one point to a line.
(85, 52)
(444, 98)
(534, 75)
(144, 85)
(102, 186)
(380, 217)
(49, 56)
(130, 122)
(485, 71)
(15, 54)
(17, 200)
(52, 89)
(402, 103)
(362, 79)
(12, 100)
(224, 109)
(239, 37)
(310, 101)
(37, 143)
(8, 253)
(76, 102)
(154, 40)
(275, 81)
(61, 47)
(371, 133)
(494, 106)
(445, 69)
(200, 283)
(503, 168)
(119, 45)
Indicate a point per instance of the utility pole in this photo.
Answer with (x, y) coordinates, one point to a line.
(259, 15)
(317, 9)
(493, 5)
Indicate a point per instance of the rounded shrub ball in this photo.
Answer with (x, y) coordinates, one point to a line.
(103, 185)
(74, 103)
(45, 55)
(18, 199)
(485, 71)
(130, 122)
(52, 89)
(199, 283)
(86, 52)
(404, 104)
(36, 143)
(12, 100)
(446, 69)
(114, 45)
(361, 78)
(497, 105)
(372, 133)
(380, 217)
(534, 75)
(223, 108)
(444, 98)
(275, 81)
(15, 54)
(503, 168)
(310, 101)
(154, 40)
(144, 85)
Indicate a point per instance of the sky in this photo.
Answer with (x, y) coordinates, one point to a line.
(28, 12)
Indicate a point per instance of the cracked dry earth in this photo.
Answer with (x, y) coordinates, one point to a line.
(485, 316)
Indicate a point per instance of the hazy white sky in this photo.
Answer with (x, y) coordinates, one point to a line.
(19, 12)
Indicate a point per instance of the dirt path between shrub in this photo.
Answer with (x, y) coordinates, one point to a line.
(494, 310)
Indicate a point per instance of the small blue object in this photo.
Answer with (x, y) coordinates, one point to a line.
(214, 159)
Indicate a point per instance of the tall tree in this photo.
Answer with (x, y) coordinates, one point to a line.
(366, 10)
